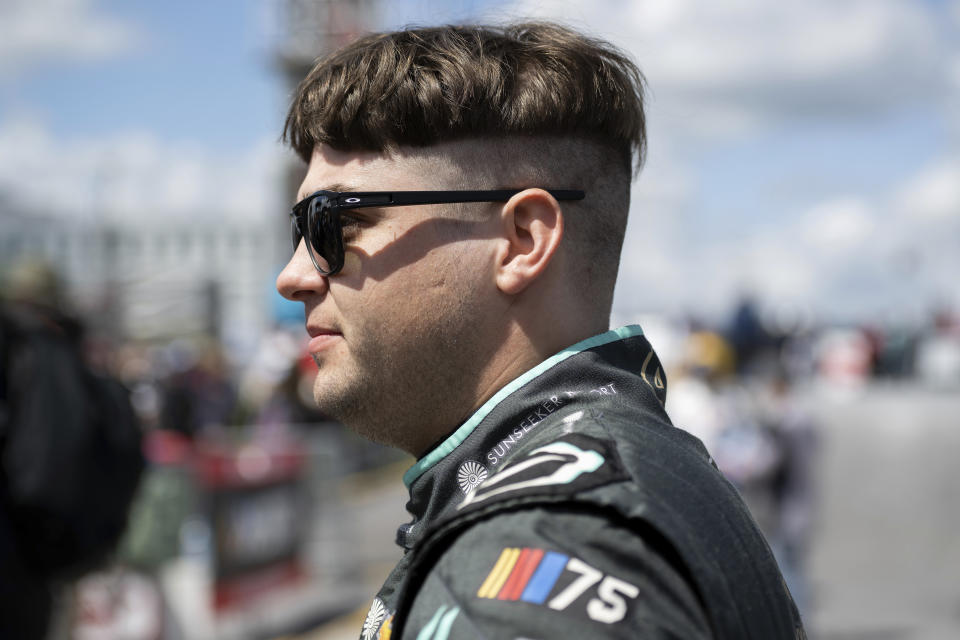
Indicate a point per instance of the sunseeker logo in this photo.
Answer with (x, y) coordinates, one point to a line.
(558, 463)
(535, 417)
(572, 463)
(375, 616)
(470, 475)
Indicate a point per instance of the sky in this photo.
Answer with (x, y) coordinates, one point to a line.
(806, 152)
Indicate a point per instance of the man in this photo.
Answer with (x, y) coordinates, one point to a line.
(457, 238)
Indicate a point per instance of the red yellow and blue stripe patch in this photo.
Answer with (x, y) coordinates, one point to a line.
(523, 574)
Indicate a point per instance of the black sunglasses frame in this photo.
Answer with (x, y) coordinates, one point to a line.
(316, 218)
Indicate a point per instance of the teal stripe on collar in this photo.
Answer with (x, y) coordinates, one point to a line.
(444, 448)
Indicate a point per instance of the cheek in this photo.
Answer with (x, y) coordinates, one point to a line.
(386, 305)
(411, 299)
(417, 293)
(445, 274)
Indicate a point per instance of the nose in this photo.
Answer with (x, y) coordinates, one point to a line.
(300, 280)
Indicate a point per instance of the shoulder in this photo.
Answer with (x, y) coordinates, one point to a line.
(557, 571)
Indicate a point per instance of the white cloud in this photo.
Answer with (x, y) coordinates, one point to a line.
(33, 32)
(729, 65)
(135, 177)
(933, 195)
(844, 257)
(838, 227)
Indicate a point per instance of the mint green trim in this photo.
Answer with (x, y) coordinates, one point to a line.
(446, 623)
(427, 632)
(444, 448)
(440, 624)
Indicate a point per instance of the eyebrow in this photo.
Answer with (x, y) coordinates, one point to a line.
(336, 186)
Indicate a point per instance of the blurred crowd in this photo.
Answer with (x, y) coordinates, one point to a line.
(747, 388)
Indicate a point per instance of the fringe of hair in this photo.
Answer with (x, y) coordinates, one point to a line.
(424, 86)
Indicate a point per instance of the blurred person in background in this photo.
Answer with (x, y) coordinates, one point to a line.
(793, 482)
(199, 394)
(761, 437)
(551, 496)
(70, 453)
(291, 401)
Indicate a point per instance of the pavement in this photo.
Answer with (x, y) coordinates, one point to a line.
(885, 559)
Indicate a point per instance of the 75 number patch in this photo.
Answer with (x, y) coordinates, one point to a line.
(557, 580)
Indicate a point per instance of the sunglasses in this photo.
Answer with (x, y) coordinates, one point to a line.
(318, 216)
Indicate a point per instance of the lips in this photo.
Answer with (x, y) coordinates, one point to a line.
(321, 338)
(314, 331)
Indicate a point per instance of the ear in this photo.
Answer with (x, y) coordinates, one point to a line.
(532, 227)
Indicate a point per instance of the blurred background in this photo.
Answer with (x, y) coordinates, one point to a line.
(793, 254)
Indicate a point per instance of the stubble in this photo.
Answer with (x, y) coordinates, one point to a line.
(406, 383)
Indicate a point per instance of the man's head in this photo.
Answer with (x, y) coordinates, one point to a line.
(437, 305)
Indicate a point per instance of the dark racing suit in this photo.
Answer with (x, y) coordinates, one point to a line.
(569, 507)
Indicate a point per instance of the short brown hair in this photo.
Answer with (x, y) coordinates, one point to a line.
(425, 86)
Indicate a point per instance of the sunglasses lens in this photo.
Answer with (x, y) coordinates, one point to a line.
(295, 234)
(325, 242)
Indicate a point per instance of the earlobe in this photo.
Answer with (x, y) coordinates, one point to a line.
(532, 224)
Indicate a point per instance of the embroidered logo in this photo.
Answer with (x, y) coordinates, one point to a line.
(659, 388)
(532, 575)
(538, 414)
(558, 463)
(376, 615)
(470, 475)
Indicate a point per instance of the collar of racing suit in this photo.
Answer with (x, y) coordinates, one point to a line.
(618, 366)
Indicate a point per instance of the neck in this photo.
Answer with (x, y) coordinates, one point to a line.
(519, 350)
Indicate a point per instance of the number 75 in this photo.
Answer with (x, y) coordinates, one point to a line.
(609, 606)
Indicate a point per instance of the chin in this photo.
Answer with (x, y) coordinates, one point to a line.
(379, 428)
